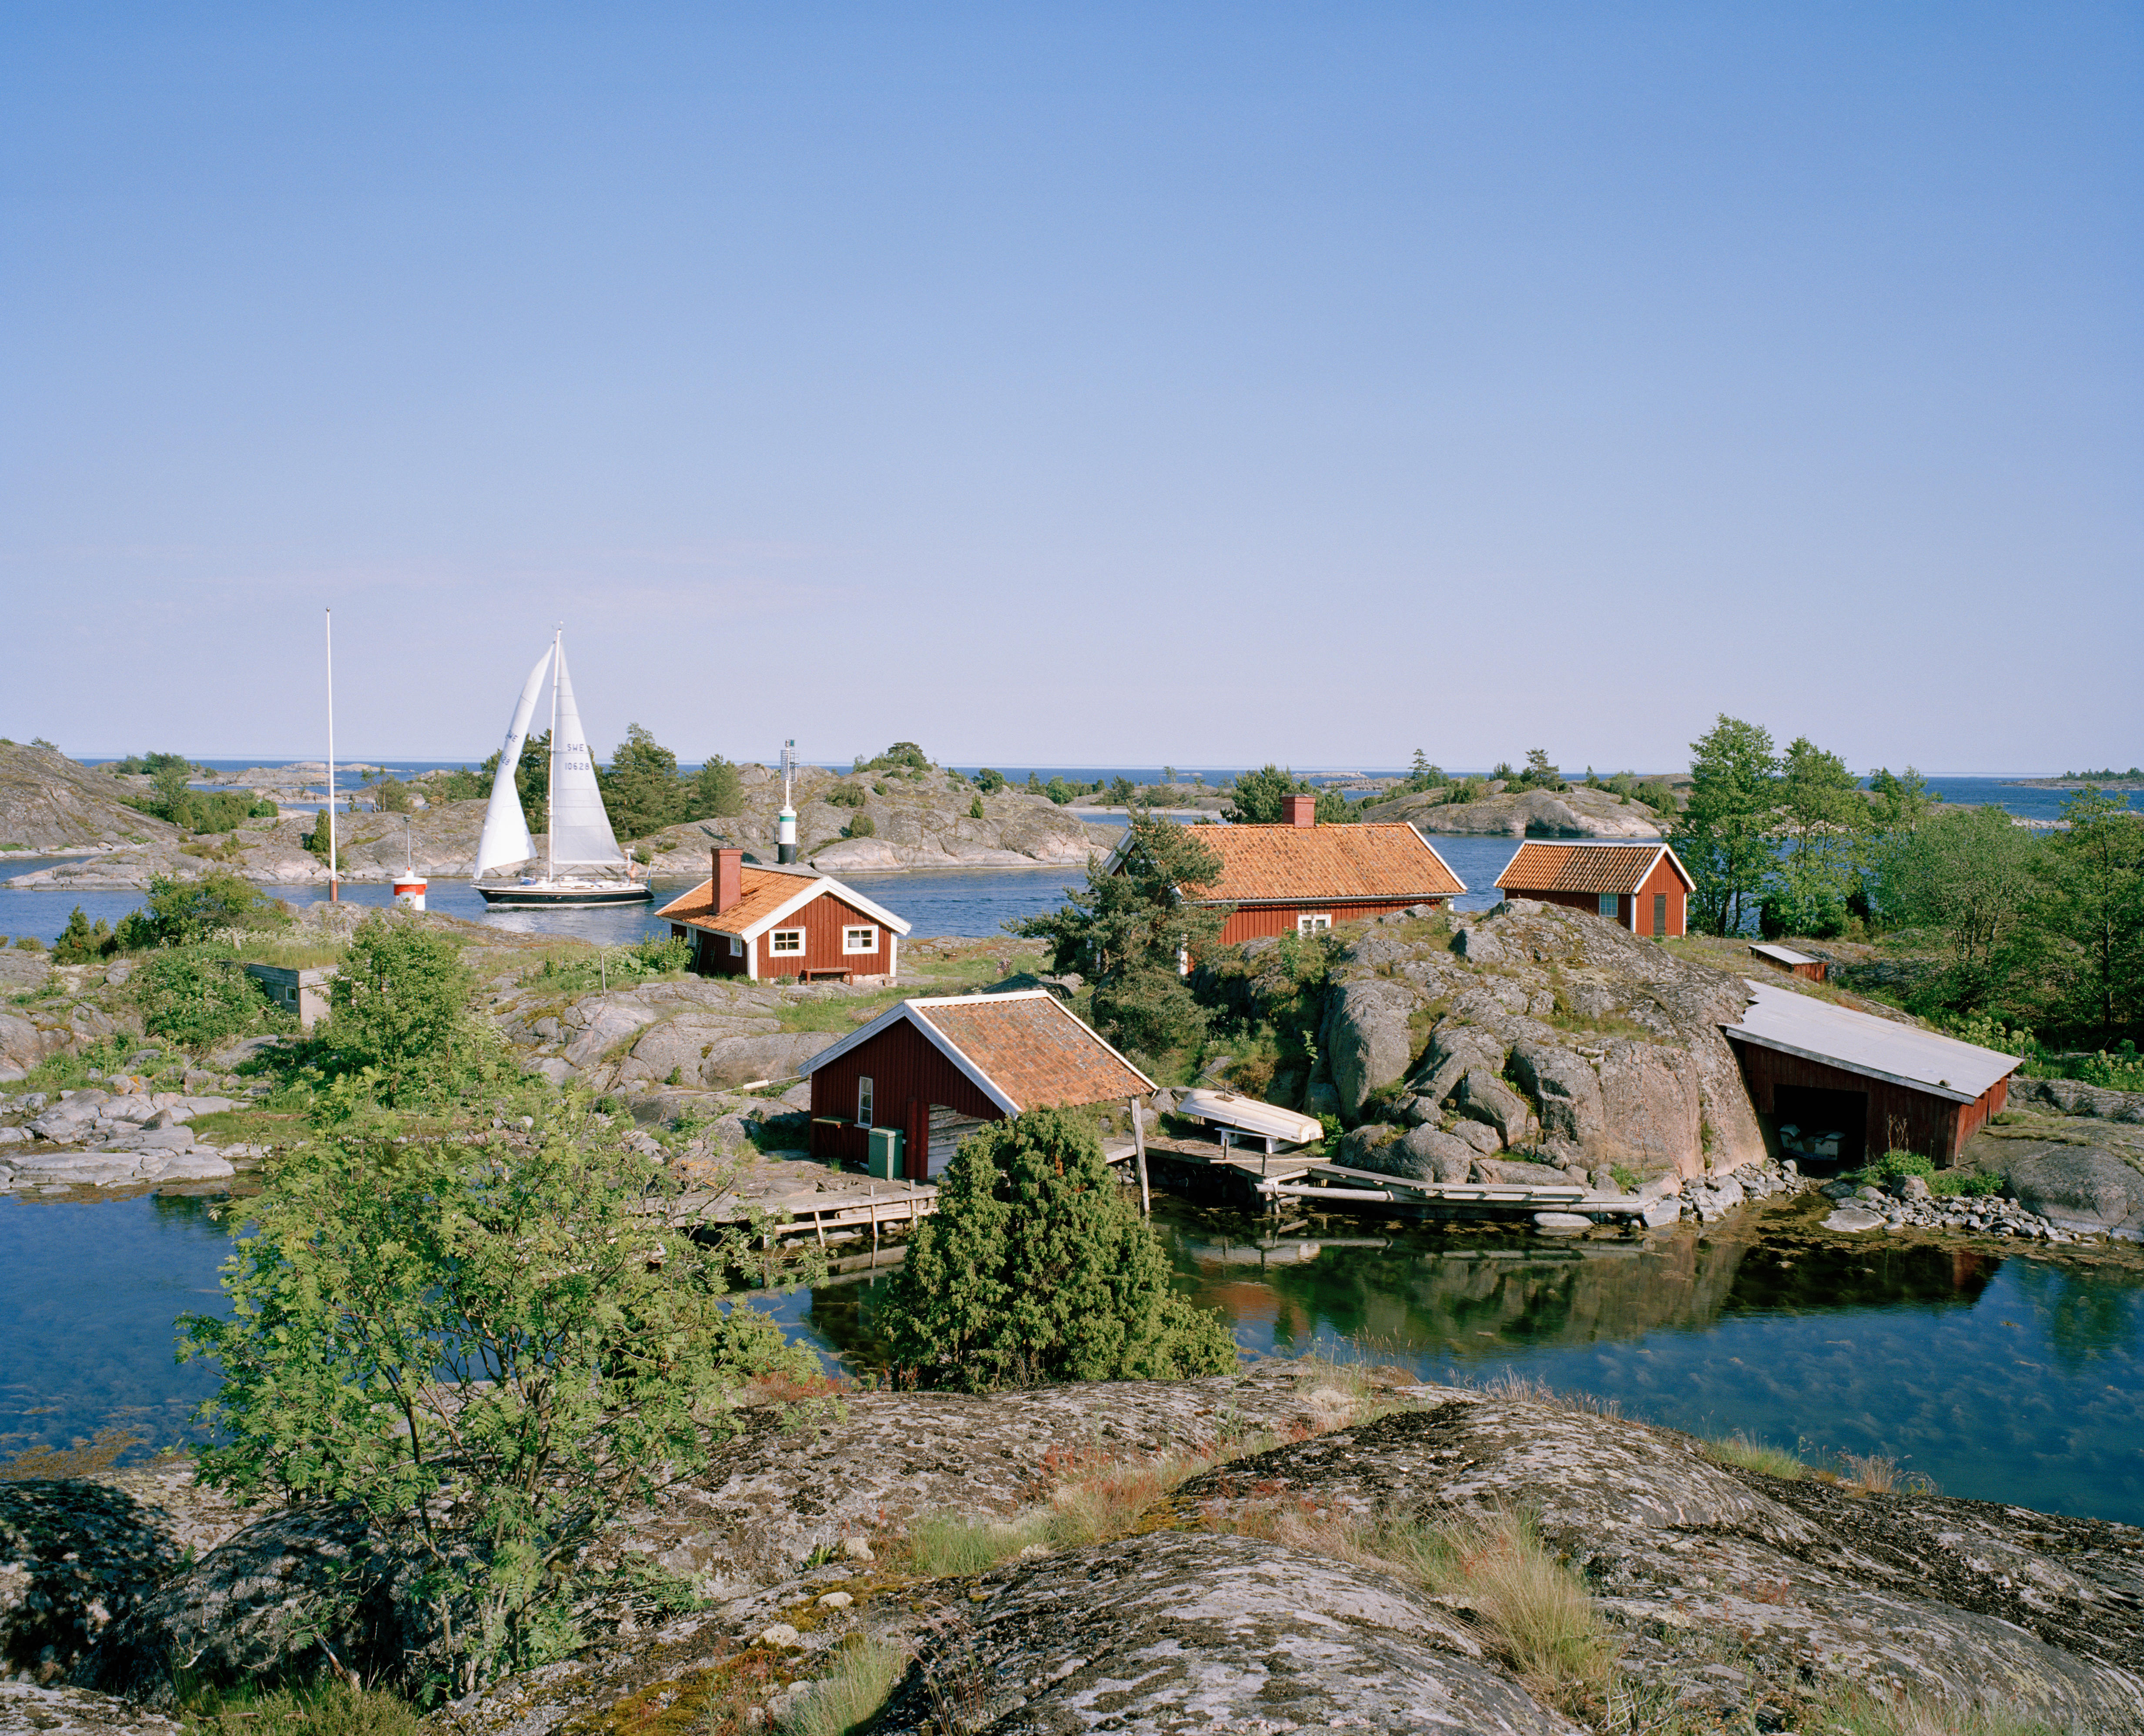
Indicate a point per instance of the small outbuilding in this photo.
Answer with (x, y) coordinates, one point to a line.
(750, 920)
(1854, 1085)
(1794, 963)
(1299, 877)
(937, 1067)
(1641, 887)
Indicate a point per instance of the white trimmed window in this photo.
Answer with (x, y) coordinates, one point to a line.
(1313, 922)
(864, 1101)
(860, 940)
(785, 940)
(1612, 904)
(737, 947)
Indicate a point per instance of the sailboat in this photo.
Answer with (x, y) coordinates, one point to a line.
(580, 837)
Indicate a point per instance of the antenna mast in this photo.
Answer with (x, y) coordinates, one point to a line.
(551, 769)
(785, 821)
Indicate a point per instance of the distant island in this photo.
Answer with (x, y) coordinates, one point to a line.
(2132, 779)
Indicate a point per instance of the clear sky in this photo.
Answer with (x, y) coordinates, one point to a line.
(1077, 384)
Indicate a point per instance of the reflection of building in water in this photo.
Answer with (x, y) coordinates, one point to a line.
(1480, 1302)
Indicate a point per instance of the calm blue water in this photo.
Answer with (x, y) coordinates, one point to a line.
(1998, 1379)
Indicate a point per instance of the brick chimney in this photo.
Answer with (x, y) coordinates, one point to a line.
(1298, 810)
(729, 878)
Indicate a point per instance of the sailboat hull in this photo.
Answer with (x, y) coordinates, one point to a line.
(555, 894)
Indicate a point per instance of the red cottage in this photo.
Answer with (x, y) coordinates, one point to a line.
(938, 1068)
(1641, 887)
(1300, 877)
(749, 920)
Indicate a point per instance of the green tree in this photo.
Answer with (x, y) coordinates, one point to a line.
(1129, 931)
(1899, 801)
(1539, 774)
(1258, 799)
(717, 791)
(1122, 790)
(79, 944)
(989, 782)
(1723, 837)
(491, 1353)
(2094, 873)
(976, 809)
(181, 912)
(399, 1007)
(1825, 815)
(1967, 874)
(198, 997)
(641, 787)
(1036, 1267)
(1059, 791)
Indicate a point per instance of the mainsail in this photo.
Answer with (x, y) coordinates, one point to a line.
(580, 829)
(506, 841)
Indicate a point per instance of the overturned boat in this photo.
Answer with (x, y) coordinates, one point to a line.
(1246, 1116)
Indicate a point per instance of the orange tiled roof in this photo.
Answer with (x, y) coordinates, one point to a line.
(1326, 864)
(1579, 867)
(765, 891)
(1034, 1051)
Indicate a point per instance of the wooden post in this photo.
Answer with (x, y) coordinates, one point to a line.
(1139, 1149)
(872, 1193)
(819, 1223)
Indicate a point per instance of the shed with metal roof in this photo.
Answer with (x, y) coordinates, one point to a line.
(1642, 887)
(1880, 1084)
(1794, 963)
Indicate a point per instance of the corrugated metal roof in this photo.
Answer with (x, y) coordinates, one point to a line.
(1583, 867)
(1323, 864)
(1905, 1054)
(1784, 956)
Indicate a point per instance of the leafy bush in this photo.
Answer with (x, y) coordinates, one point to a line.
(491, 1353)
(976, 809)
(199, 997)
(149, 764)
(31, 943)
(863, 827)
(1964, 1184)
(846, 795)
(1058, 791)
(990, 781)
(458, 784)
(1893, 1165)
(400, 1008)
(1036, 1267)
(902, 755)
(181, 912)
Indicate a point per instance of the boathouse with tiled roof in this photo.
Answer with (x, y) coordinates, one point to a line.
(1642, 887)
(749, 920)
(937, 1067)
(1300, 877)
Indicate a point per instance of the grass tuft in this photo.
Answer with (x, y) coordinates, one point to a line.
(1854, 1712)
(849, 1697)
(329, 1709)
(1746, 1453)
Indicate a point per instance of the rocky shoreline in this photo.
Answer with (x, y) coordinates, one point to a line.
(1236, 1581)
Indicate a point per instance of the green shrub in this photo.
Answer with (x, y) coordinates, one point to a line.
(329, 1707)
(1036, 1267)
(845, 795)
(194, 996)
(79, 944)
(31, 943)
(179, 912)
(863, 827)
(1058, 791)
(976, 809)
(491, 1355)
(1964, 1184)
(1895, 1164)
(990, 782)
(400, 1008)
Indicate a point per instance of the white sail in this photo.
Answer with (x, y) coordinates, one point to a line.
(506, 841)
(580, 828)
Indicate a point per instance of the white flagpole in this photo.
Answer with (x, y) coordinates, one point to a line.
(334, 892)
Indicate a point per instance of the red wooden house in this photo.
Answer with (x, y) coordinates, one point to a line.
(1302, 877)
(938, 1068)
(1861, 1084)
(1641, 887)
(752, 920)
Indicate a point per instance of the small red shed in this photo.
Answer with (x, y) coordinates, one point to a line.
(1641, 887)
(1300, 877)
(1877, 1084)
(749, 920)
(938, 1068)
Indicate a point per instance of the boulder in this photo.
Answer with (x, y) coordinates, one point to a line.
(2081, 1189)
(1360, 1146)
(1421, 1153)
(1513, 1174)
(1479, 1135)
(75, 1712)
(1212, 1633)
(1854, 1220)
(1483, 1097)
(1367, 1039)
(1478, 945)
(740, 1060)
(601, 1025)
(73, 1555)
(1567, 1090)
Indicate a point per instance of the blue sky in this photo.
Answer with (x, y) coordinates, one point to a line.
(1077, 384)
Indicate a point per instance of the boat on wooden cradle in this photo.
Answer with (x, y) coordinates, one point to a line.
(579, 838)
(1250, 1119)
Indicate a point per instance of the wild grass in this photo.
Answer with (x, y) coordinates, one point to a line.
(1854, 1712)
(330, 1709)
(288, 955)
(1746, 1453)
(849, 1696)
(85, 1458)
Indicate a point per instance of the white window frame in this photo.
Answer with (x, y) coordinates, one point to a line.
(776, 950)
(1611, 905)
(1314, 922)
(868, 930)
(737, 946)
(863, 1100)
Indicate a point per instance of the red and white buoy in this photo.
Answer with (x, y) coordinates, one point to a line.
(409, 885)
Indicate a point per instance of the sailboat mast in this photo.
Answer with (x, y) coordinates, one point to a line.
(334, 892)
(551, 770)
